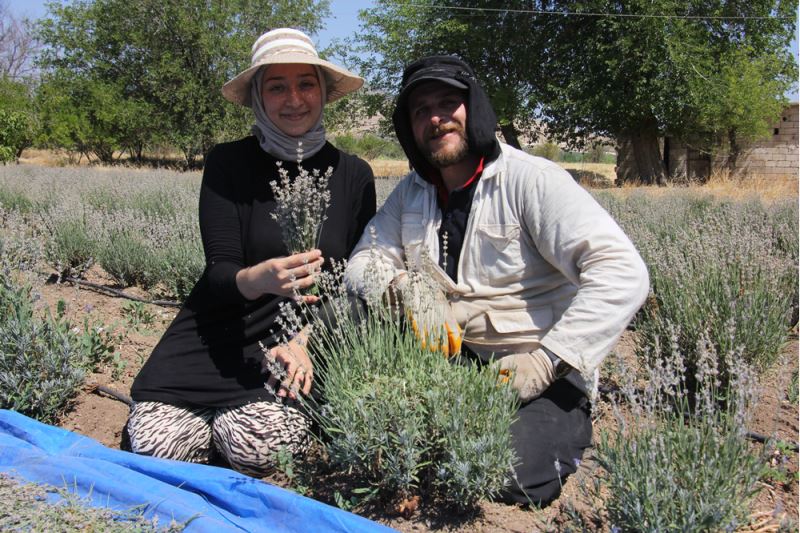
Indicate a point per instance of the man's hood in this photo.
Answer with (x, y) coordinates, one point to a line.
(481, 118)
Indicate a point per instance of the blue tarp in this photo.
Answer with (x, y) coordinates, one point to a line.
(214, 499)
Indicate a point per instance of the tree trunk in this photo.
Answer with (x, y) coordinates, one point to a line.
(639, 157)
(734, 151)
(510, 135)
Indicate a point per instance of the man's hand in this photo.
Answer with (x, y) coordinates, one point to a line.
(428, 313)
(530, 374)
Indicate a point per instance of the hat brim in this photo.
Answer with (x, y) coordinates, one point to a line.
(416, 82)
(422, 79)
(339, 81)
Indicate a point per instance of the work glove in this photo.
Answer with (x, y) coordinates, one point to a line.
(530, 374)
(427, 312)
(436, 326)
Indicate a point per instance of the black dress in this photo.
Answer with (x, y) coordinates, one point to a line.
(209, 356)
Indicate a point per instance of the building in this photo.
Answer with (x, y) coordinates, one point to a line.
(777, 156)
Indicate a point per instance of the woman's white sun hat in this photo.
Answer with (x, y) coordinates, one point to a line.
(286, 45)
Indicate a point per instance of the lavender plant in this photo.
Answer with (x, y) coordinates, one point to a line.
(401, 419)
(13, 199)
(678, 461)
(21, 245)
(128, 259)
(31, 507)
(71, 249)
(43, 361)
(78, 215)
(722, 269)
(301, 205)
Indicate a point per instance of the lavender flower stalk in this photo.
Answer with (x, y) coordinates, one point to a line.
(302, 203)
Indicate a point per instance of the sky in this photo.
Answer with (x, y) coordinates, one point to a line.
(342, 23)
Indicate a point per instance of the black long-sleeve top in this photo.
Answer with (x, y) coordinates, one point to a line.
(209, 356)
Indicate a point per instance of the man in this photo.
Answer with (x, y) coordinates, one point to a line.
(540, 279)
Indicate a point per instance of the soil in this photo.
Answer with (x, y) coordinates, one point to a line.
(102, 416)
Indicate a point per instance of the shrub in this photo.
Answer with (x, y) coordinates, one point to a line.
(31, 507)
(155, 204)
(14, 200)
(369, 146)
(128, 259)
(42, 360)
(102, 200)
(548, 150)
(717, 268)
(680, 462)
(402, 419)
(180, 264)
(71, 249)
(21, 245)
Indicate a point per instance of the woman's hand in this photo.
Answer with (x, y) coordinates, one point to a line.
(295, 361)
(281, 276)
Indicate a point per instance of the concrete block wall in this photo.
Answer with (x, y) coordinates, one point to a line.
(779, 155)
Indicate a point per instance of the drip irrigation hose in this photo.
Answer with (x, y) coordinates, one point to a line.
(119, 293)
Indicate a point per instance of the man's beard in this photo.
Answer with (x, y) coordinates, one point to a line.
(447, 155)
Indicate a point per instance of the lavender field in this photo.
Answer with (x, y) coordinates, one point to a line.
(708, 365)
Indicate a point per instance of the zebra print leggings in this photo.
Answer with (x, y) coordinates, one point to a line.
(248, 436)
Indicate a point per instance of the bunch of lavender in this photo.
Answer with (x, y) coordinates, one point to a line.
(301, 207)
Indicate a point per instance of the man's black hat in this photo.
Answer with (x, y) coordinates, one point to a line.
(481, 118)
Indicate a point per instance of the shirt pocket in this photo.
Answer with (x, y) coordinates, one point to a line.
(497, 333)
(534, 321)
(500, 253)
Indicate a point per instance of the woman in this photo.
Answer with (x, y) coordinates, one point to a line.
(202, 392)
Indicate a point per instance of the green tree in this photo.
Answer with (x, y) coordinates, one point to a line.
(739, 101)
(93, 118)
(630, 70)
(665, 67)
(166, 60)
(396, 32)
(18, 119)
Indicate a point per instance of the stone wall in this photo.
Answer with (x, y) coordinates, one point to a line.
(778, 155)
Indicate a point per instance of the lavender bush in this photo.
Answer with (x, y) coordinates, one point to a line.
(43, 361)
(140, 226)
(678, 462)
(21, 244)
(403, 420)
(30, 507)
(71, 249)
(718, 268)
